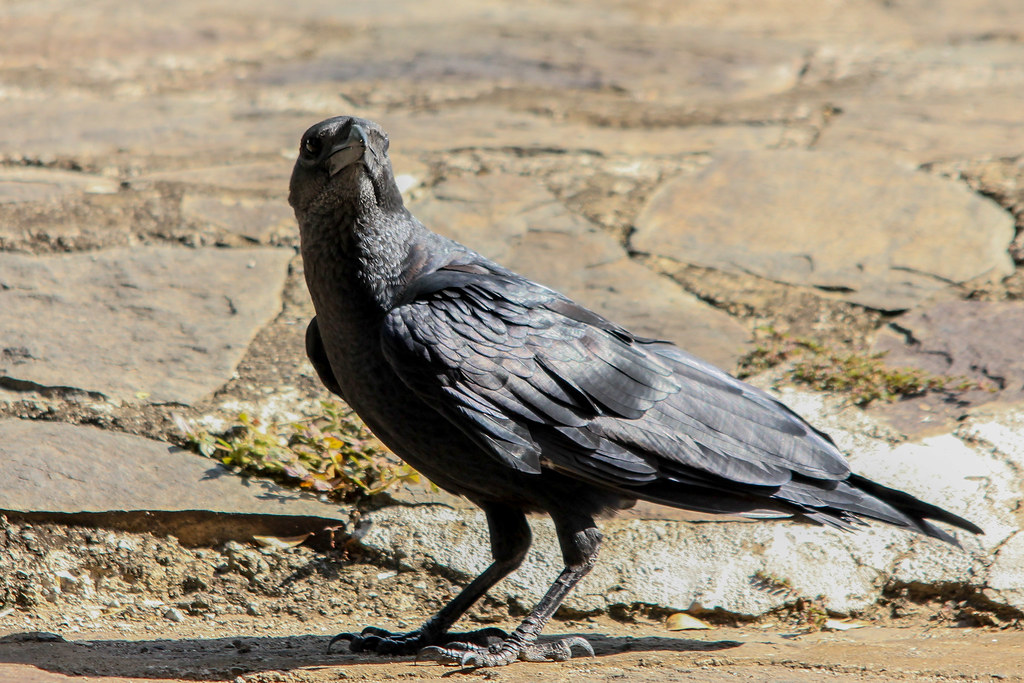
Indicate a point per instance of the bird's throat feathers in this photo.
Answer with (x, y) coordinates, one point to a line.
(361, 253)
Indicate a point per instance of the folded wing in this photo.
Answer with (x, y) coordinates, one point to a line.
(541, 382)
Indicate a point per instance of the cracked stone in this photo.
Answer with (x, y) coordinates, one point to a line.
(518, 222)
(879, 234)
(258, 220)
(833, 24)
(525, 131)
(932, 129)
(921, 102)
(1006, 575)
(979, 340)
(98, 128)
(263, 178)
(1003, 428)
(29, 184)
(52, 467)
(162, 324)
(681, 64)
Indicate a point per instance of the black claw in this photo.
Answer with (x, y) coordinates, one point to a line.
(376, 631)
(579, 642)
(341, 636)
(475, 648)
(371, 643)
(381, 641)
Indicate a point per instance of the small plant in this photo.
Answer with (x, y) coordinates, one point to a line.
(332, 453)
(865, 378)
(810, 613)
(774, 348)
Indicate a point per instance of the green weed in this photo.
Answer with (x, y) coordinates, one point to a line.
(332, 453)
(864, 378)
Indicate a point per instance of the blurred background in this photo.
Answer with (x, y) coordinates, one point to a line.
(732, 165)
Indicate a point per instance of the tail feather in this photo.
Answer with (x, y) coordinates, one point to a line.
(918, 511)
(843, 504)
(847, 502)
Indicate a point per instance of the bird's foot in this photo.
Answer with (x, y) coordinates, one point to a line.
(505, 652)
(373, 639)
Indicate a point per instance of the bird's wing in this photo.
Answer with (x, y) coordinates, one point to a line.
(318, 357)
(539, 381)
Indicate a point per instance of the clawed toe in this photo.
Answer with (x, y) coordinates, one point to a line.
(341, 636)
(452, 653)
(505, 652)
(422, 641)
(462, 654)
(381, 641)
(559, 651)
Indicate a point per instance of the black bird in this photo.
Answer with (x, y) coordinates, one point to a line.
(514, 396)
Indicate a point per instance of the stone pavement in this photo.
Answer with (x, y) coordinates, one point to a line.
(692, 170)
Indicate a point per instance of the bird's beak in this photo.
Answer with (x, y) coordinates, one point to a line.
(348, 152)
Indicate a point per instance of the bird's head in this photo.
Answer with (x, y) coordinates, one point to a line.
(343, 165)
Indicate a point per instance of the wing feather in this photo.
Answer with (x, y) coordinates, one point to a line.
(538, 379)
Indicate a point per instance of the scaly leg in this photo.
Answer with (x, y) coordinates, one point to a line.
(510, 539)
(580, 541)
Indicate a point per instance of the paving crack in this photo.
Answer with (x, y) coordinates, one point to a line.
(23, 386)
(972, 439)
(827, 112)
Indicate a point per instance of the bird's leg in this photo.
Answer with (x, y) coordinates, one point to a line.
(580, 541)
(510, 539)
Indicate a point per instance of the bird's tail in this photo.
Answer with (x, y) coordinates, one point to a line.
(843, 504)
(913, 513)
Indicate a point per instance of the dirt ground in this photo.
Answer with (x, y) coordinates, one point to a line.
(106, 605)
(291, 650)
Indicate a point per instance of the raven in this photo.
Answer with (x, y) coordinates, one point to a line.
(510, 394)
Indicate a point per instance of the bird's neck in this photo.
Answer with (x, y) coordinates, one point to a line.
(356, 259)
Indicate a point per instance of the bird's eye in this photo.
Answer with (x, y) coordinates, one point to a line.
(311, 146)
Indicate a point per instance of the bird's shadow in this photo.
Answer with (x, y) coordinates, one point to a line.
(217, 659)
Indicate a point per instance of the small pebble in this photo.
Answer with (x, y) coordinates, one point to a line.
(174, 615)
